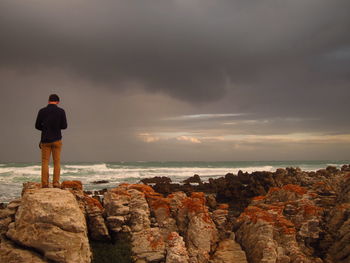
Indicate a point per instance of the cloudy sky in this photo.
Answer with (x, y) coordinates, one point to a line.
(178, 79)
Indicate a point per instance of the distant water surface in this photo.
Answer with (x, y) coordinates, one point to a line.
(12, 175)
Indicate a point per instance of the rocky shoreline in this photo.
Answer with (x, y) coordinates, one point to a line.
(284, 216)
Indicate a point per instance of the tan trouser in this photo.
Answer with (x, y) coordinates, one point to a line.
(46, 149)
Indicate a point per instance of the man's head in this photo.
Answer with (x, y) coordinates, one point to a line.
(54, 99)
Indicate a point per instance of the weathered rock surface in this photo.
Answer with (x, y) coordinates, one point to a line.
(337, 231)
(176, 249)
(279, 226)
(50, 221)
(229, 250)
(177, 228)
(148, 245)
(9, 253)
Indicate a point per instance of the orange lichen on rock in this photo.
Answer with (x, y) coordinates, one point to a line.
(272, 216)
(195, 203)
(120, 191)
(199, 195)
(157, 202)
(255, 213)
(155, 241)
(223, 206)
(259, 198)
(273, 189)
(146, 189)
(75, 185)
(311, 210)
(289, 187)
(286, 226)
(295, 188)
(172, 236)
(92, 202)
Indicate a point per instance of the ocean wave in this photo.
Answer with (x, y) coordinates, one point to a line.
(34, 169)
(13, 175)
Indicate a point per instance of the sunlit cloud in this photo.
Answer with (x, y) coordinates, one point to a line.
(304, 138)
(284, 138)
(188, 139)
(176, 136)
(148, 138)
(268, 121)
(205, 116)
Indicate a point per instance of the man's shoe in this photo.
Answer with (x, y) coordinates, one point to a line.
(57, 186)
(44, 186)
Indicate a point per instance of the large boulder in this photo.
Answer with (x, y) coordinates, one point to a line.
(50, 221)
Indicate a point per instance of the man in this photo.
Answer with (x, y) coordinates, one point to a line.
(50, 121)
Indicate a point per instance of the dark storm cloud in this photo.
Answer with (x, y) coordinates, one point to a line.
(192, 50)
(257, 73)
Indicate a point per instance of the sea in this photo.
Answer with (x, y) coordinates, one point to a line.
(13, 175)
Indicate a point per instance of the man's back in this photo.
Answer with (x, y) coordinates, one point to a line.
(50, 121)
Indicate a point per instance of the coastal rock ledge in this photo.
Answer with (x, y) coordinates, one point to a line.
(287, 216)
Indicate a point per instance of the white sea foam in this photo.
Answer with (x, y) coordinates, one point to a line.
(13, 175)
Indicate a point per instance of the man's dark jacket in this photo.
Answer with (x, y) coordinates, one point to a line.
(50, 121)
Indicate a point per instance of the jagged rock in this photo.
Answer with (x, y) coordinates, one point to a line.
(156, 180)
(219, 217)
(116, 203)
(139, 211)
(160, 207)
(211, 201)
(45, 220)
(4, 223)
(14, 204)
(74, 185)
(115, 223)
(337, 238)
(100, 182)
(4, 213)
(9, 253)
(176, 249)
(95, 221)
(269, 234)
(340, 249)
(345, 168)
(201, 234)
(194, 179)
(176, 201)
(229, 251)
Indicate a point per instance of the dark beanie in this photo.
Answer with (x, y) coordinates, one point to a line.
(54, 97)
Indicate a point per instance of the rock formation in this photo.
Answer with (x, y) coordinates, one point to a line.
(176, 228)
(50, 222)
(286, 216)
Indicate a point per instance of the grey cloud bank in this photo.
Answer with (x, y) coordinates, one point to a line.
(123, 67)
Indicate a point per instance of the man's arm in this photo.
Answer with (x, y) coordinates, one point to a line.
(38, 122)
(64, 120)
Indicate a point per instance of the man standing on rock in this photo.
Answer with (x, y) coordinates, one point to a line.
(50, 121)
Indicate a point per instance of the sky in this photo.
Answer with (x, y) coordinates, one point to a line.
(178, 80)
